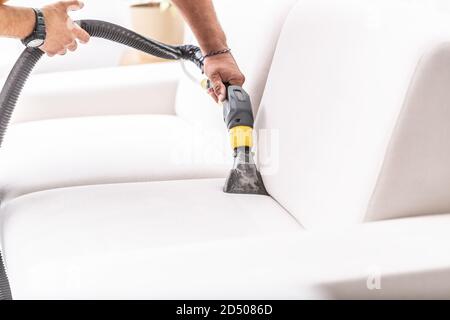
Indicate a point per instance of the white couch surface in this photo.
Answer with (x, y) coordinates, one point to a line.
(187, 239)
(123, 219)
(415, 178)
(41, 155)
(332, 101)
(145, 89)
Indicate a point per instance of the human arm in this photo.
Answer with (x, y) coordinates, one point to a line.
(16, 22)
(222, 68)
(62, 33)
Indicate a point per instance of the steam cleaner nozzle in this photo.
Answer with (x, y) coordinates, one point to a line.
(244, 177)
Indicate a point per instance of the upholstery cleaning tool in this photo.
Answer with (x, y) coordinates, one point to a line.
(244, 177)
(30, 56)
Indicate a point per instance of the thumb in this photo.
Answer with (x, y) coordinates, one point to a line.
(218, 87)
(73, 5)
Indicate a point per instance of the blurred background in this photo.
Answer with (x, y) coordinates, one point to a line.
(157, 19)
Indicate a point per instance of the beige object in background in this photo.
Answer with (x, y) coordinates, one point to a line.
(156, 22)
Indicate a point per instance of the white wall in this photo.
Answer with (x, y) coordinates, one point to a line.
(438, 4)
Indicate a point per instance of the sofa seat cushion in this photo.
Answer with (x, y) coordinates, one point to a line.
(67, 152)
(188, 240)
(49, 237)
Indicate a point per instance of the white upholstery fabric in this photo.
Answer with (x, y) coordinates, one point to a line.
(332, 100)
(188, 240)
(146, 89)
(48, 154)
(46, 233)
(252, 28)
(415, 179)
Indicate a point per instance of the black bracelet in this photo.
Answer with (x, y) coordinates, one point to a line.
(216, 53)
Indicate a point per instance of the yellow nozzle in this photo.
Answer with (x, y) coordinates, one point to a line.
(241, 136)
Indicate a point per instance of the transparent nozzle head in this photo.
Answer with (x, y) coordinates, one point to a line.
(244, 178)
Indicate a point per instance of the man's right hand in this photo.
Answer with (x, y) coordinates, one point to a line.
(62, 32)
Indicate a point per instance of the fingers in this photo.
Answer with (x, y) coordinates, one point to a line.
(81, 34)
(238, 80)
(218, 87)
(73, 46)
(72, 5)
(47, 50)
(60, 48)
(68, 44)
(213, 95)
(62, 32)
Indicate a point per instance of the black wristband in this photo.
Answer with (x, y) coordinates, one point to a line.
(39, 34)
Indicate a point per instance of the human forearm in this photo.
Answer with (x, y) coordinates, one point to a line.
(201, 17)
(61, 33)
(220, 67)
(16, 22)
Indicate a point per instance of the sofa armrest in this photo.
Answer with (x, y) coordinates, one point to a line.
(144, 89)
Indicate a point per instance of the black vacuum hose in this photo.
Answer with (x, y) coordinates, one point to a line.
(99, 29)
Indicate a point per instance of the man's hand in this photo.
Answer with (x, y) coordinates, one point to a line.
(222, 69)
(62, 32)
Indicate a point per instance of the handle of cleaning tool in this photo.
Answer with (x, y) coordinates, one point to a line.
(237, 108)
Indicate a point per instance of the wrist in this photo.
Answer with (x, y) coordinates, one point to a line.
(216, 53)
(217, 44)
(37, 37)
(213, 48)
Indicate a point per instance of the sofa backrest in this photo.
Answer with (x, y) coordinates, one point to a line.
(415, 177)
(252, 28)
(338, 82)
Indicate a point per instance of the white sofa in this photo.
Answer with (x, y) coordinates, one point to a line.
(352, 143)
